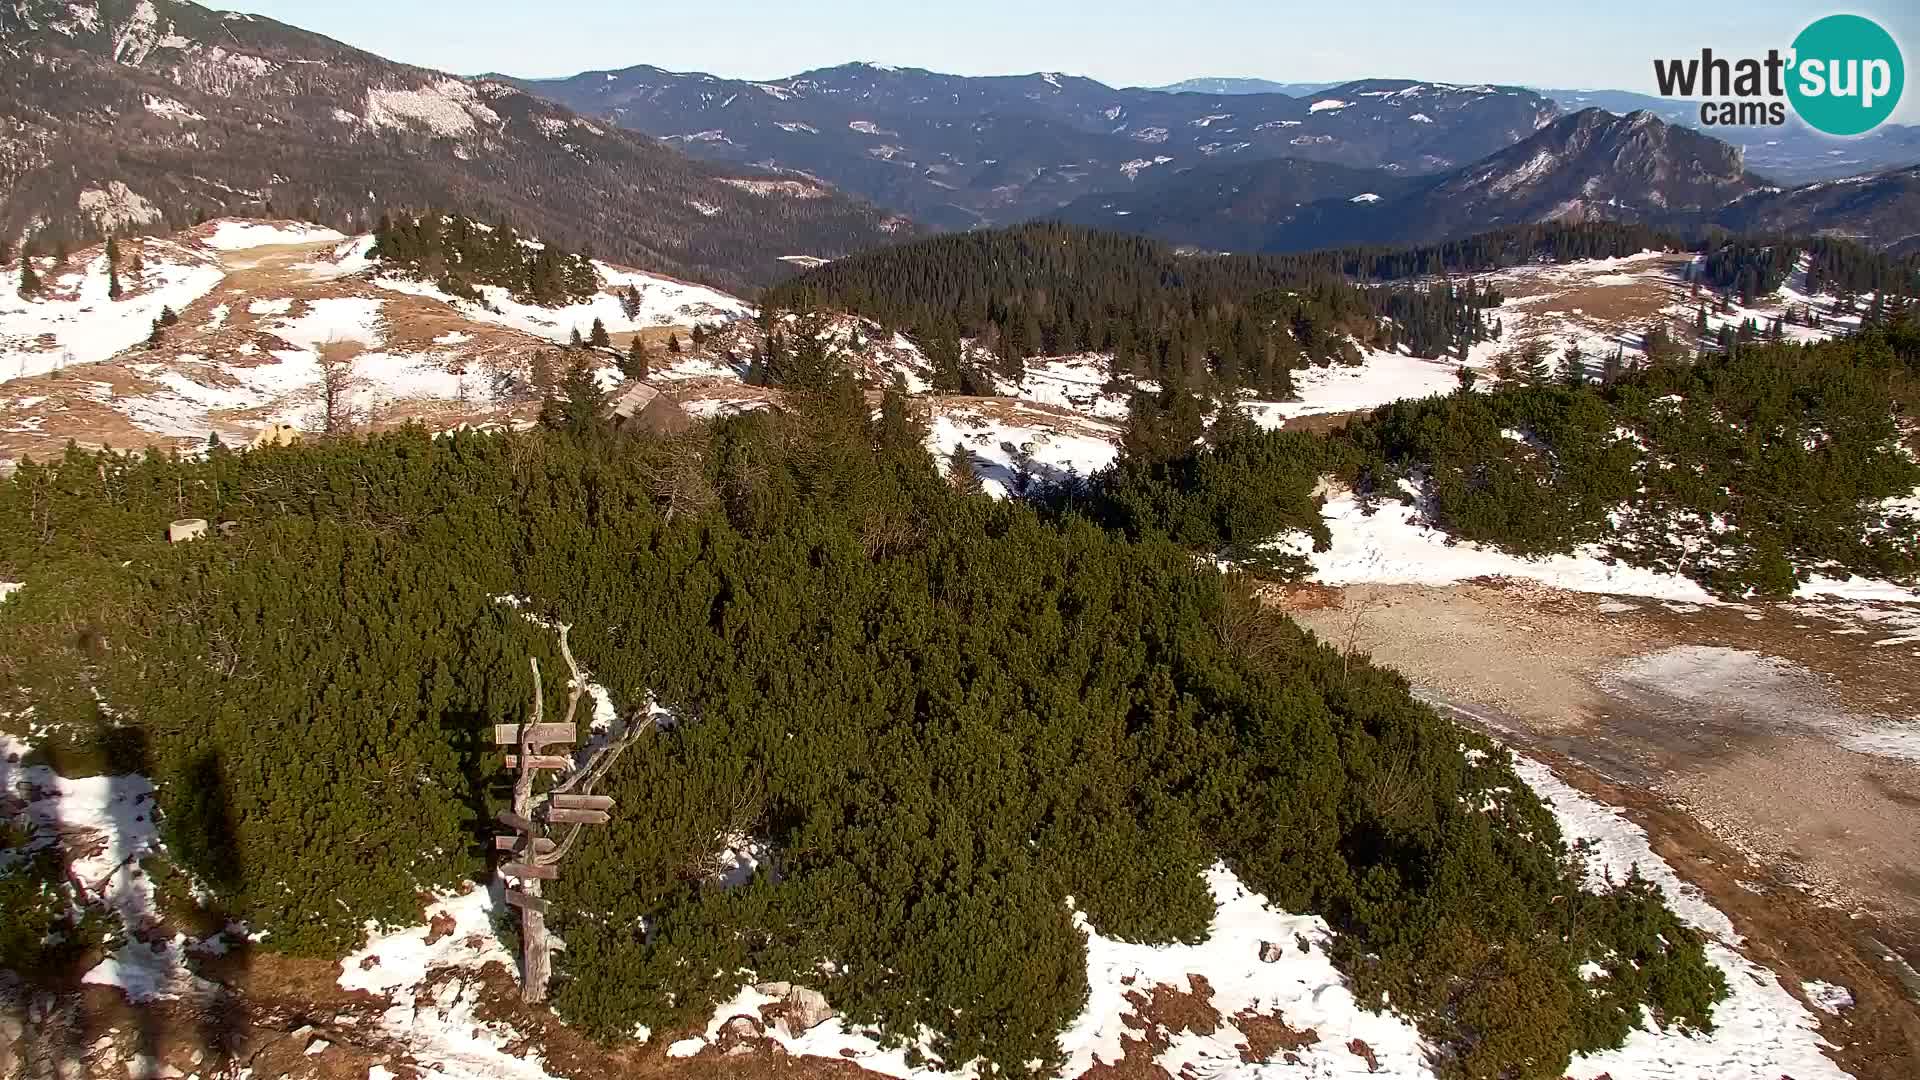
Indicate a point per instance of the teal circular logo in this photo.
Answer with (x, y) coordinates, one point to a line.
(1847, 75)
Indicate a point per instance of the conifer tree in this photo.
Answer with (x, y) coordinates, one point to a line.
(1574, 374)
(113, 267)
(960, 471)
(598, 338)
(1231, 422)
(29, 281)
(1532, 367)
(898, 429)
(673, 343)
(584, 398)
(630, 303)
(576, 342)
(637, 362)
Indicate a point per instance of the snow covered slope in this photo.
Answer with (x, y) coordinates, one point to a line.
(263, 309)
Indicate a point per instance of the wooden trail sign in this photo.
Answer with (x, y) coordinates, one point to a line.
(570, 802)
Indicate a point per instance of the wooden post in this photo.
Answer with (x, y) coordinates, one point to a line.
(533, 857)
(536, 959)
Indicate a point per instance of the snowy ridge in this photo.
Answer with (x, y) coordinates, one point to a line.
(663, 302)
(234, 235)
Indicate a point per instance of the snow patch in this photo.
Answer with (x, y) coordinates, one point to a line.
(1827, 997)
(448, 108)
(435, 990)
(244, 235)
(1759, 1030)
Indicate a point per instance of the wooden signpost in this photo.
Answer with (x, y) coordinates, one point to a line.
(532, 855)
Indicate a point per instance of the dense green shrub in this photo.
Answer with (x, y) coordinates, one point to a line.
(941, 715)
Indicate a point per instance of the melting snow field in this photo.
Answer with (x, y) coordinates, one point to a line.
(663, 302)
(1003, 449)
(105, 824)
(244, 235)
(76, 322)
(1760, 1030)
(1384, 377)
(1768, 693)
(1395, 545)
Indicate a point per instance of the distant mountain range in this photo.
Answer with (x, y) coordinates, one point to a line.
(1591, 165)
(960, 152)
(124, 115)
(1244, 86)
(1793, 154)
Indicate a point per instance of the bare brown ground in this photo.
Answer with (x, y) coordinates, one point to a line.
(73, 404)
(1809, 847)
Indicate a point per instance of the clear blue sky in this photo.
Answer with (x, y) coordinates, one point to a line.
(1607, 44)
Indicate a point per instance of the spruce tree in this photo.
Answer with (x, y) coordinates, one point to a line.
(637, 362)
(673, 343)
(113, 267)
(1533, 368)
(1231, 423)
(598, 338)
(581, 399)
(960, 472)
(29, 281)
(1575, 372)
(898, 429)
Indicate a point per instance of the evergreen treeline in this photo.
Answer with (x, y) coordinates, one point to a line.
(944, 714)
(1050, 289)
(1750, 267)
(1497, 250)
(460, 254)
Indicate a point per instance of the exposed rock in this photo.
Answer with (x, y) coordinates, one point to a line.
(774, 989)
(1270, 952)
(806, 1010)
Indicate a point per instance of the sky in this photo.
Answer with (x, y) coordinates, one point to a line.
(1121, 42)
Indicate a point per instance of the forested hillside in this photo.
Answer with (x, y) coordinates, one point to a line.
(942, 716)
(1049, 289)
(125, 116)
